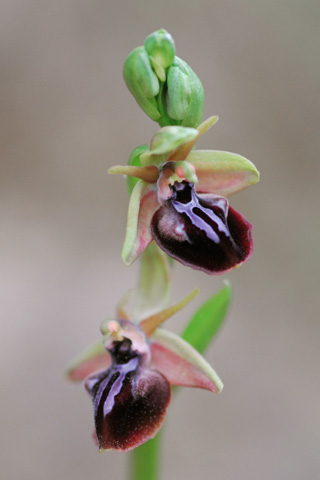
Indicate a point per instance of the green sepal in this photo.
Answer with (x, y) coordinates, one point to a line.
(165, 141)
(222, 173)
(154, 283)
(187, 352)
(142, 82)
(151, 323)
(134, 160)
(206, 322)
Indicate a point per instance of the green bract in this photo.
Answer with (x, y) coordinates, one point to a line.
(152, 295)
(208, 319)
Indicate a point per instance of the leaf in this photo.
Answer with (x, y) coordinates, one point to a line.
(207, 320)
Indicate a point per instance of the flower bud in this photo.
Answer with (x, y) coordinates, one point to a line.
(185, 96)
(161, 49)
(179, 92)
(142, 81)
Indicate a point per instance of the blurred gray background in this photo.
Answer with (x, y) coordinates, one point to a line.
(66, 116)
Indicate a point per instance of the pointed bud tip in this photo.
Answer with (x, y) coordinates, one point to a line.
(160, 46)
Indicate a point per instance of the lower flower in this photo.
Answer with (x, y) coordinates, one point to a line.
(129, 400)
(129, 377)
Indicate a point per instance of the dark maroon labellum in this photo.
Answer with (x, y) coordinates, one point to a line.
(202, 231)
(129, 400)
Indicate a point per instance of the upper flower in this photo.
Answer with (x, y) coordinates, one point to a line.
(180, 201)
(129, 375)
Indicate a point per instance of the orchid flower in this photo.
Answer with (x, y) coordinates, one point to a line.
(180, 201)
(130, 373)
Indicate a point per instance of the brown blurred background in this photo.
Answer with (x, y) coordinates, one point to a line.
(66, 116)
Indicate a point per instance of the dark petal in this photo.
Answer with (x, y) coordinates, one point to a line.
(202, 231)
(130, 403)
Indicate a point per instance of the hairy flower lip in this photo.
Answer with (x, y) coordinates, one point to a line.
(202, 232)
(130, 401)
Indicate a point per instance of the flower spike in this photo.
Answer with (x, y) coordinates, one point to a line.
(178, 208)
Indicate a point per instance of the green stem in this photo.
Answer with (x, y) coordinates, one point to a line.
(145, 460)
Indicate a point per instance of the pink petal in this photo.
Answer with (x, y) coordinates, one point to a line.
(179, 371)
(143, 204)
(94, 358)
(222, 173)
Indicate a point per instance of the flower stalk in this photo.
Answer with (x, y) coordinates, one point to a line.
(145, 460)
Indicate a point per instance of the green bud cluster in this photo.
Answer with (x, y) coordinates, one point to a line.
(164, 86)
